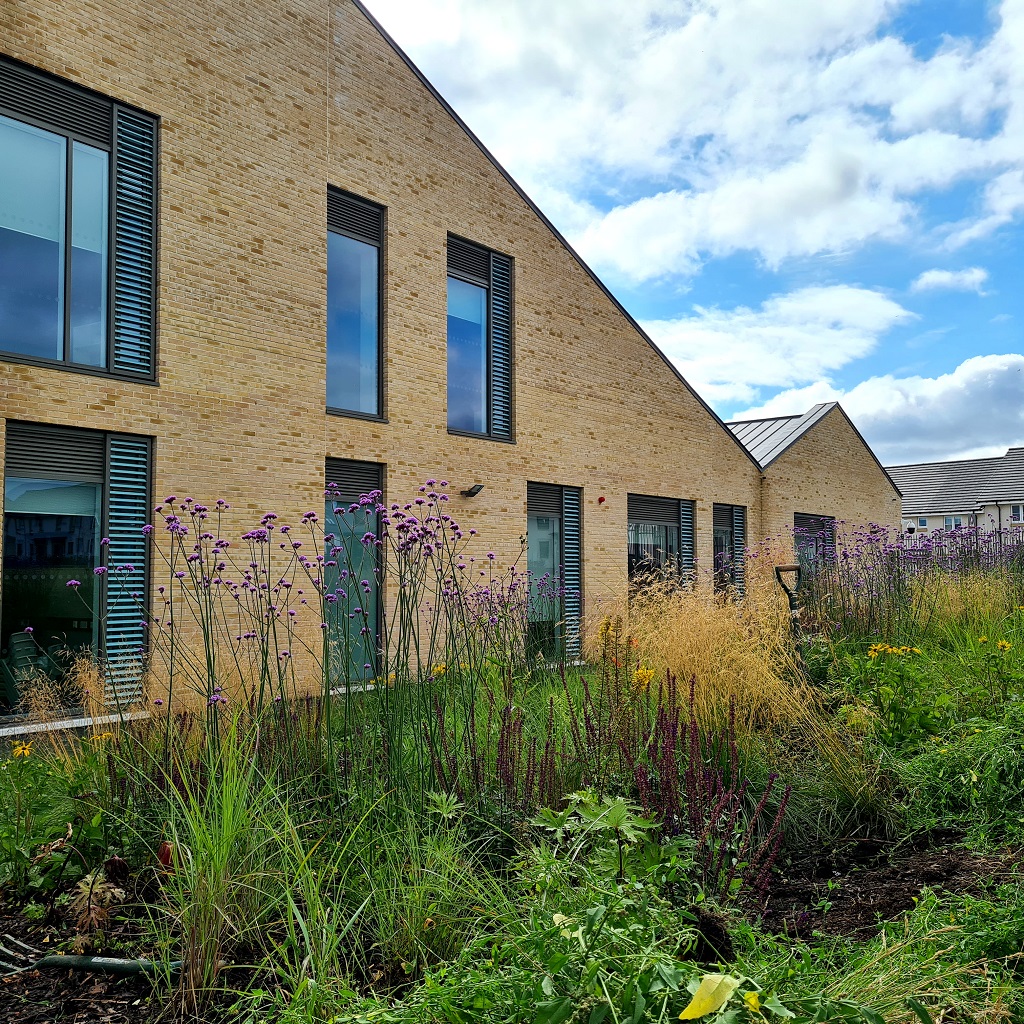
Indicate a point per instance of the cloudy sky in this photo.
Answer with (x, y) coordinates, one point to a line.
(800, 201)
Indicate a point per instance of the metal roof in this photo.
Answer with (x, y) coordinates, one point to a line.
(963, 485)
(767, 439)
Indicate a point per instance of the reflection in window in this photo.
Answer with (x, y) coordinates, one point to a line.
(352, 324)
(544, 561)
(51, 536)
(653, 547)
(34, 269)
(467, 356)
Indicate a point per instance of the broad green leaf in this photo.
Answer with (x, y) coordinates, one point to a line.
(922, 1014)
(711, 995)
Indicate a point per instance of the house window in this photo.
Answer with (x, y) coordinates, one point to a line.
(1016, 513)
(660, 536)
(953, 522)
(355, 238)
(922, 523)
(554, 561)
(64, 490)
(77, 226)
(479, 341)
(729, 529)
(352, 575)
(814, 537)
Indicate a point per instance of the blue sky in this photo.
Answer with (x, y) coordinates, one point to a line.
(799, 201)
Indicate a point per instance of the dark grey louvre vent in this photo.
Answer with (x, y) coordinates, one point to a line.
(647, 509)
(353, 479)
(37, 97)
(355, 217)
(572, 568)
(815, 525)
(721, 517)
(469, 261)
(134, 242)
(544, 500)
(686, 530)
(39, 451)
(501, 346)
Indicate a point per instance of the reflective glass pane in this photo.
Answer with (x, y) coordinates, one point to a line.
(32, 204)
(353, 583)
(543, 560)
(352, 324)
(51, 536)
(90, 214)
(652, 546)
(467, 356)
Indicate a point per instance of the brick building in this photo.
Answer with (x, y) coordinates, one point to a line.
(241, 256)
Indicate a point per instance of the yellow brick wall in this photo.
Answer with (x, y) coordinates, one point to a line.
(830, 472)
(261, 110)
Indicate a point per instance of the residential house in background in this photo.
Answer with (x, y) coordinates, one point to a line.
(245, 257)
(987, 493)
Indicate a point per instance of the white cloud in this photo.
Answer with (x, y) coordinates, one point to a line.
(970, 280)
(707, 127)
(979, 406)
(728, 355)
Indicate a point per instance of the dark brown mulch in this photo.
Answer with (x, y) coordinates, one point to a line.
(853, 899)
(66, 997)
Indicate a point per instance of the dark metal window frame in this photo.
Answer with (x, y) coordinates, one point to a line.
(14, 70)
(736, 568)
(488, 283)
(335, 194)
(682, 518)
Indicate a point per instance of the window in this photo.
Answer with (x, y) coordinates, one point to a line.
(479, 341)
(953, 522)
(554, 561)
(729, 528)
(64, 491)
(355, 237)
(660, 535)
(922, 523)
(353, 581)
(77, 226)
(814, 537)
(1016, 515)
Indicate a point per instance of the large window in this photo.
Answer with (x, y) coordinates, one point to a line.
(660, 536)
(355, 236)
(953, 522)
(554, 561)
(77, 226)
(74, 501)
(479, 341)
(729, 529)
(352, 578)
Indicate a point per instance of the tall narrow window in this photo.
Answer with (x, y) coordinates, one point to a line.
(660, 536)
(479, 340)
(355, 236)
(729, 529)
(1017, 513)
(77, 225)
(64, 489)
(554, 561)
(352, 577)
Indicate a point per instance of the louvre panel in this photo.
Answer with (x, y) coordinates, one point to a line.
(54, 453)
(354, 479)
(739, 542)
(128, 501)
(543, 500)
(648, 509)
(355, 217)
(572, 569)
(470, 261)
(686, 536)
(501, 346)
(721, 517)
(134, 242)
(812, 524)
(66, 108)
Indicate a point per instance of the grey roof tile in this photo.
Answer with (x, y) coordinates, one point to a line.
(962, 485)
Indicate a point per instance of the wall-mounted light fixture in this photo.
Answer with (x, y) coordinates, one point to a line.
(472, 492)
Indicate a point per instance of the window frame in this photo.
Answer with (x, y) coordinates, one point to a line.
(922, 523)
(460, 252)
(1017, 513)
(736, 570)
(27, 95)
(951, 523)
(683, 519)
(336, 197)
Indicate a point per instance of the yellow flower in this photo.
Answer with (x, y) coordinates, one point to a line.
(439, 670)
(22, 749)
(753, 1001)
(642, 678)
(982, 639)
(1004, 645)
